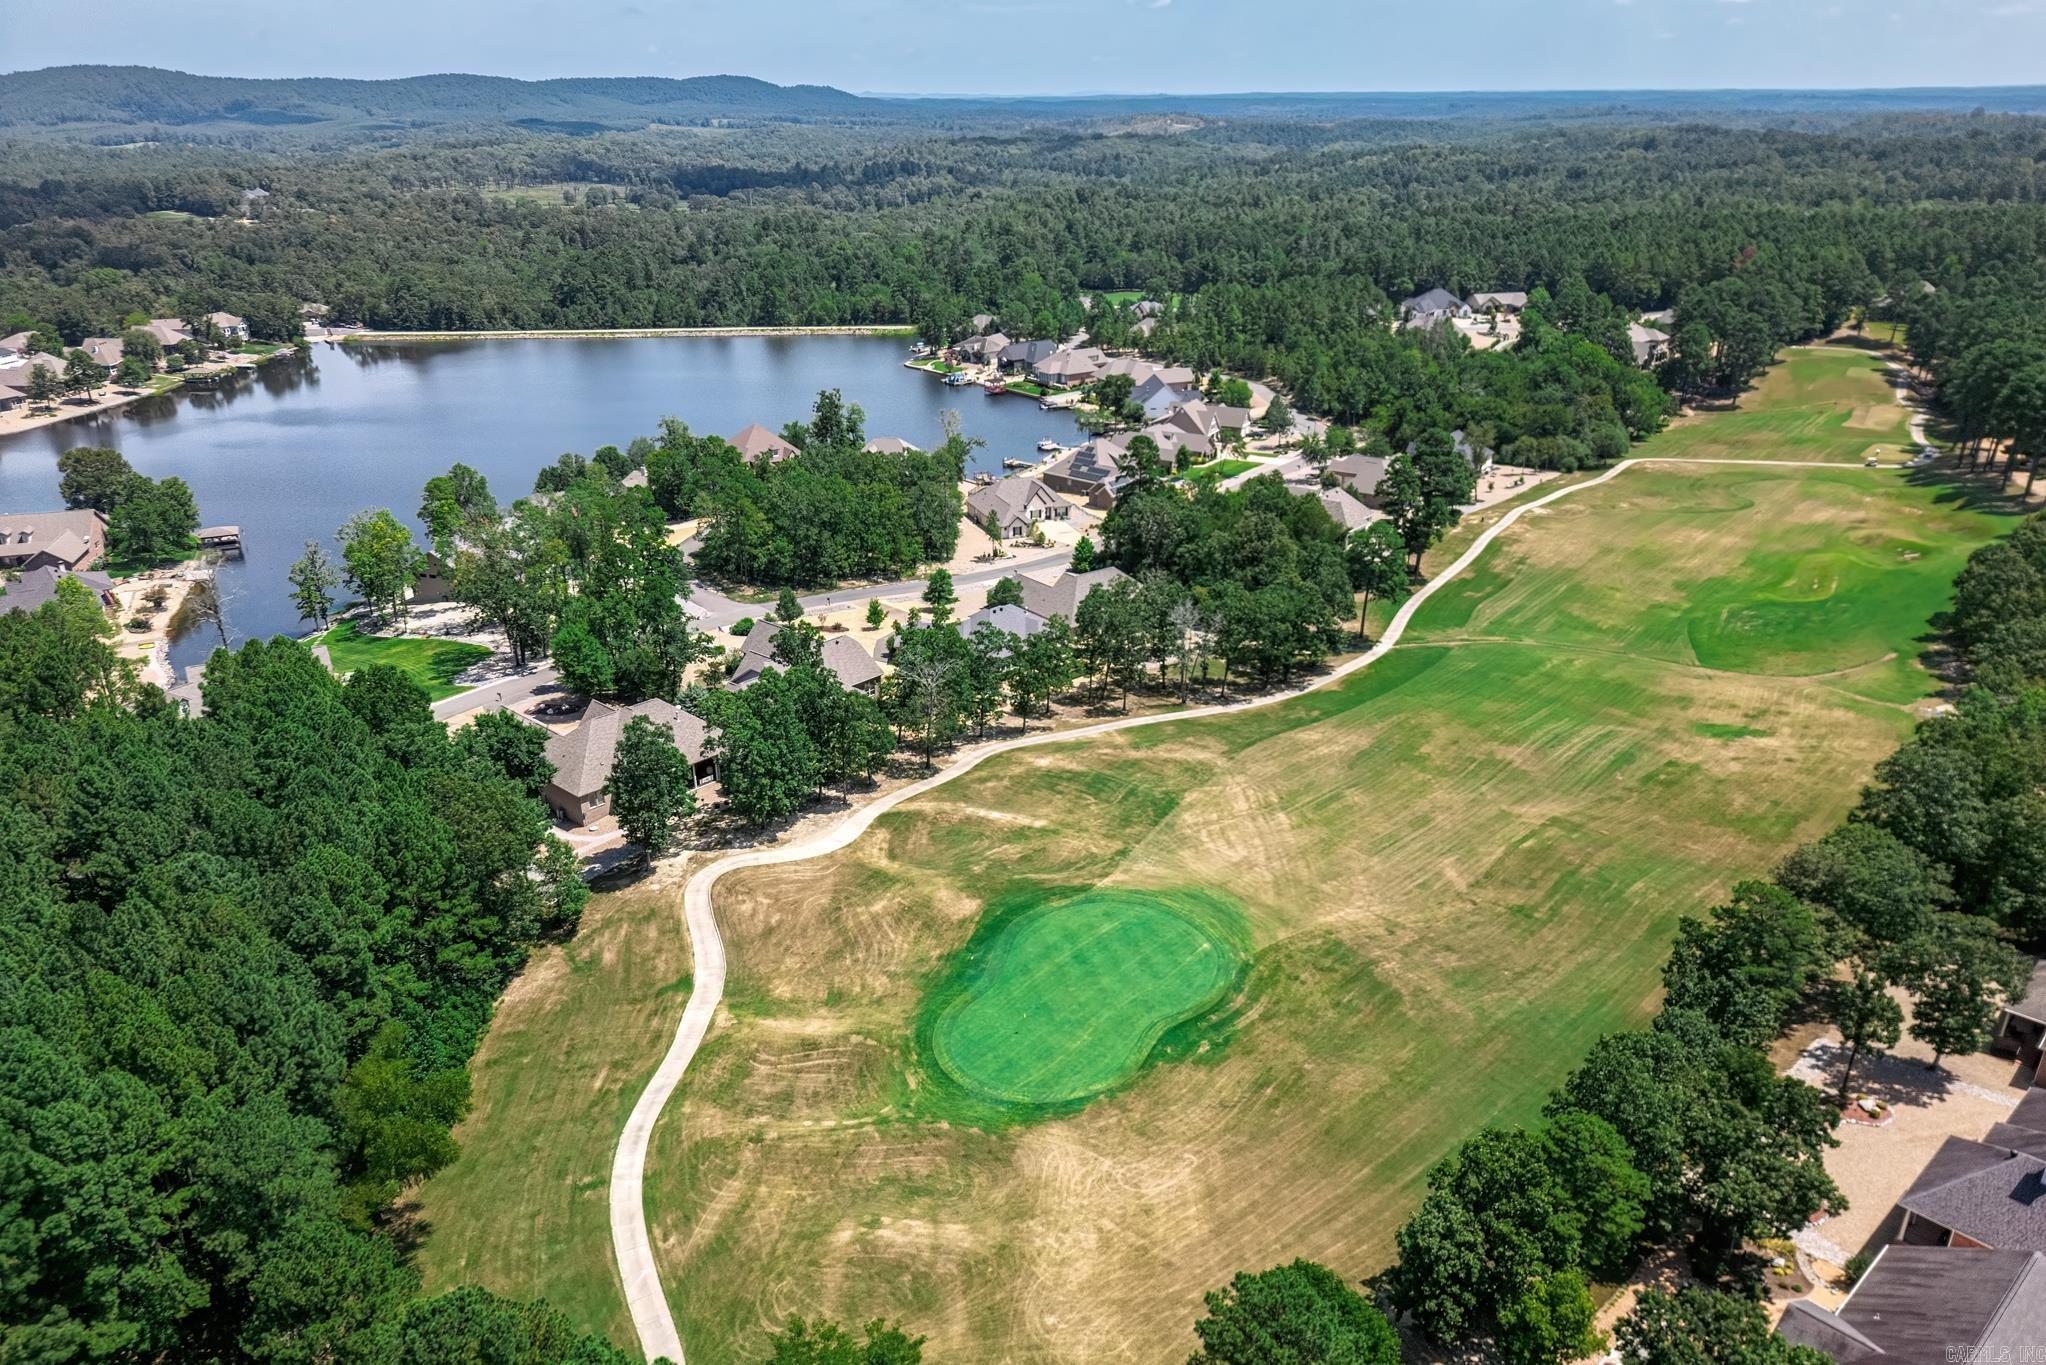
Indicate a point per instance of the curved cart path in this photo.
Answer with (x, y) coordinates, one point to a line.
(630, 1239)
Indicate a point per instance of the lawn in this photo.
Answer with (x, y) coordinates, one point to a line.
(1215, 470)
(972, 1071)
(433, 664)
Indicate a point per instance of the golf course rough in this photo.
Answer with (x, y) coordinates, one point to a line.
(1061, 997)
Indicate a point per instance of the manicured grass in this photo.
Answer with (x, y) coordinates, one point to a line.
(1447, 875)
(433, 664)
(1216, 470)
(1817, 403)
(1070, 996)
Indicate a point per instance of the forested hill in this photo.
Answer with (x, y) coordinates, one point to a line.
(142, 95)
(117, 102)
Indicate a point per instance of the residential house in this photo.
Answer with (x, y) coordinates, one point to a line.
(1094, 471)
(62, 540)
(757, 443)
(1663, 318)
(982, 348)
(169, 331)
(1344, 508)
(1148, 308)
(1977, 1195)
(1497, 301)
(1178, 446)
(843, 657)
(1434, 301)
(102, 350)
(1008, 617)
(983, 321)
(1651, 346)
(1064, 369)
(229, 326)
(1361, 474)
(1063, 594)
(1025, 356)
(1144, 327)
(1918, 1305)
(890, 445)
(17, 344)
(2021, 1027)
(39, 585)
(1158, 396)
(1480, 457)
(1016, 504)
(582, 757)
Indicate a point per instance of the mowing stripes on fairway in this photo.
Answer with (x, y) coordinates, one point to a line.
(1069, 998)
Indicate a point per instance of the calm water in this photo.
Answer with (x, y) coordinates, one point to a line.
(304, 443)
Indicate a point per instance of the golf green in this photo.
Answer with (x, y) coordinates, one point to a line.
(1068, 998)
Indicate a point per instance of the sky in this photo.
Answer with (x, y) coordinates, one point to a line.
(1074, 46)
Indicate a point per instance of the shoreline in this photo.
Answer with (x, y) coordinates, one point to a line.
(15, 423)
(626, 333)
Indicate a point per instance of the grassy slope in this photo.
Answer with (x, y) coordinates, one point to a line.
(433, 664)
(1818, 403)
(1457, 869)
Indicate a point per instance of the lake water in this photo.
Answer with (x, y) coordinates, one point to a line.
(294, 449)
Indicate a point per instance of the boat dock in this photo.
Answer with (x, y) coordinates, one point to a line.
(226, 539)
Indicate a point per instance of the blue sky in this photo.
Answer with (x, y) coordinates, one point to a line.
(1075, 46)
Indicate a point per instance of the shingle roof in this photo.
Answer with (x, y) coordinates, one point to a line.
(890, 445)
(1436, 300)
(1026, 352)
(1988, 1194)
(1008, 498)
(1360, 472)
(1016, 620)
(1344, 509)
(842, 655)
(582, 758)
(1500, 298)
(849, 661)
(38, 586)
(2031, 1110)
(1061, 596)
(755, 441)
(66, 535)
(1927, 1304)
(2032, 1003)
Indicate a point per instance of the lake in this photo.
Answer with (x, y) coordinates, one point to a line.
(298, 446)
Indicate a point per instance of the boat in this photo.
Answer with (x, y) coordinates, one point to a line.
(1015, 464)
(1049, 446)
(995, 386)
(957, 380)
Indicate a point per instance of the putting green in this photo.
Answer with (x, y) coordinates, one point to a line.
(1067, 999)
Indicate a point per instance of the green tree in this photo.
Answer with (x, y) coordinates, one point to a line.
(509, 745)
(1277, 418)
(1083, 555)
(787, 609)
(93, 476)
(313, 579)
(876, 613)
(1595, 1169)
(1043, 667)
(133, 372)
(1005, 592)
(939, 596)
(44, 385)
(1958, 974)
(649, 785)
(1869, 1020)
(1376, 559)
(378, 560)
(453, 503)
(1298, 1314)
(1705, 1327)
(1111, 634)
(581, 659)
(819, 1342)
(1869, 877)
(139, 343)
(152, 521)
(82, 374)
(1747, 964)
(395, 1118)
(1551, 1321)
(472, 1326)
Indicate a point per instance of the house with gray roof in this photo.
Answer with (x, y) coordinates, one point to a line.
(842, 656)
(71, 539)
(2021, 1026)
(1025, 355)
(1010, 618)
(1498, 301)
(1077, 365)
(890, 445)
(1158, 396)
(1920, 1305)
(981, 347)
(1977, 1194)
(582, 757)
(169, 331)
(1344, 508)
(1062, 595)
(1651, 345)
(17, 344)
(983, 321)
(229, 325)
(1434, 301)
(105, 351)
(39, 585)
(1361, 474)
(757, 443)
(1094, 471)
(1016, 504)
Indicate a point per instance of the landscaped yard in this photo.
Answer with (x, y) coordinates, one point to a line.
(973, 1071)
(1216, 470)
(433, 664)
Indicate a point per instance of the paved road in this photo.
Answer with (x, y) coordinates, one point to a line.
(713, 610)
(630, 1238)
